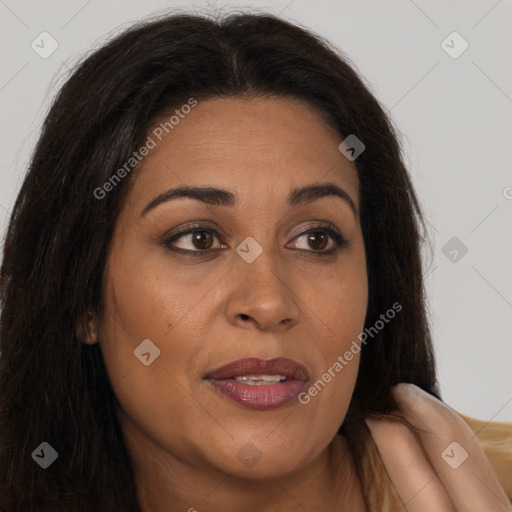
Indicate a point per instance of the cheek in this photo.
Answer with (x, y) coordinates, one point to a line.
(340, 298)
(146, 297)
(138, 335)
(342, 306)
(147, 351)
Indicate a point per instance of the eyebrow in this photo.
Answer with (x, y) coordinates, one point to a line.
(221, 197)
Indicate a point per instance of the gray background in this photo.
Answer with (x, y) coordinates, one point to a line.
(454, 113)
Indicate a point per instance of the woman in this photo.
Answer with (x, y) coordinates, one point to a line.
(212, 292)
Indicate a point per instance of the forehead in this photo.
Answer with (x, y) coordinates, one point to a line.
(259, 147)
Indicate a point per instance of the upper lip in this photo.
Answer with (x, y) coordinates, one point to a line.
(255, 366)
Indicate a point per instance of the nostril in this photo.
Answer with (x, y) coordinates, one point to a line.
(244, 317)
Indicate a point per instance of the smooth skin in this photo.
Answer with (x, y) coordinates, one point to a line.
(202, 312)
(438, 464)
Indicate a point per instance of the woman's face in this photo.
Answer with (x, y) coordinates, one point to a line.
(271, 284)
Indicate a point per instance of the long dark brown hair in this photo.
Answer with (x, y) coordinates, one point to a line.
(53, 387)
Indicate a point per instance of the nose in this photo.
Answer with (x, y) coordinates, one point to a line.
(262, 294)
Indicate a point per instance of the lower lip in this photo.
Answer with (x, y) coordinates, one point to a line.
(262, 397)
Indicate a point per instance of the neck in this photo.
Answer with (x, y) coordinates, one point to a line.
(165, 483)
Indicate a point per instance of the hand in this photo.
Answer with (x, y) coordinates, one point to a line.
(436, 464)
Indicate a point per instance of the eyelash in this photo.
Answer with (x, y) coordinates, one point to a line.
(339, 241)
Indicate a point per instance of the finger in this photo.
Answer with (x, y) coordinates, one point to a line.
(408, 467)
(453, 450)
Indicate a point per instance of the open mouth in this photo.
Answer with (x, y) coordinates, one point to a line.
(260, 380)
(260, 384)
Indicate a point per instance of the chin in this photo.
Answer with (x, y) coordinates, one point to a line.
(266, 467)
(261, 459)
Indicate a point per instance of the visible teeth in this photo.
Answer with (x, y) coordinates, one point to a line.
(259, 380)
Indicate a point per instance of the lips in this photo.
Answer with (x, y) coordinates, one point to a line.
(255, 366)
(260, 384)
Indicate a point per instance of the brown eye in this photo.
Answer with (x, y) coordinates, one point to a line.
(317, 240)
(194, 240)
(202, 240)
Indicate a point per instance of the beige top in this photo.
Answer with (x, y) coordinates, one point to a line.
(426, 457)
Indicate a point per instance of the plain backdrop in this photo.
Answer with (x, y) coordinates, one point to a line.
(454, 110)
